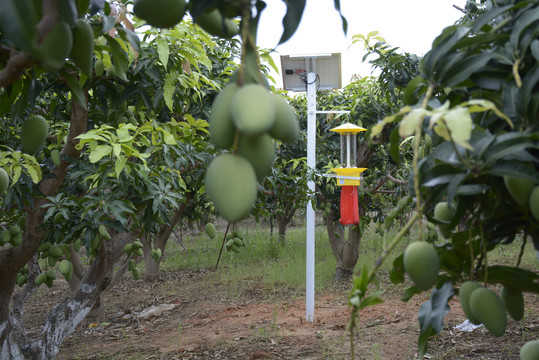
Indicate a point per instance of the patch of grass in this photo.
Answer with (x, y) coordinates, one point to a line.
(269, 266)
(263, 258)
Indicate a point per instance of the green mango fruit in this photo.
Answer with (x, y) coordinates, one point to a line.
(56, 251)
(4, 181)
(421, 263)
(5, 237)
(137, 244)
(513, 301)
(253, 110)
(138, 252)
(136, 273)
(56, 47)
(215, 24)
(104, 233)
(444, 212)
(16, 239)
(21, 221)
(231, 184)
(49, 282)
(55, 157)
(530, 350)
(160, 13)
(40, 279)
(21, 280)
(238, 233)
(222, 128)
(489, 309)
(286, 126)
(128, 249)
(259, 151)
(82, 52)
(519, 188)
(66, 269)
(51, 274)
(465, 291)
(34, 132)
(534, 203)
(77, 245)
(14, 229)
(210, 230)
(44, 246)
(51, 260)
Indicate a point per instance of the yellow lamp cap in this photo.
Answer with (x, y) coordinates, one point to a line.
(348, 128)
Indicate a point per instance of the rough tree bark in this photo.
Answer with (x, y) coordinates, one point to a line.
(14, 258)
(283, 220)
(345, 247)
(151, 269)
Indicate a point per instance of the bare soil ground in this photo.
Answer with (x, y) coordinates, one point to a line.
(207, 323)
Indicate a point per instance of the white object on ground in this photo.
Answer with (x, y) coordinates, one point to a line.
(155, 311)
(467, 326)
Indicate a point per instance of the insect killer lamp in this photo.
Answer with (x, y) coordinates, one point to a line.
(348, 176)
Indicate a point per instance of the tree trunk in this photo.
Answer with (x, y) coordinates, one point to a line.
(151, 269)
(283, 221)
(345, 247)
(12, 259)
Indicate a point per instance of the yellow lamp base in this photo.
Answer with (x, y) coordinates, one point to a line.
(348, 176)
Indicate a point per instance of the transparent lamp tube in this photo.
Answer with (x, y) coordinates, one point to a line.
(342, 150)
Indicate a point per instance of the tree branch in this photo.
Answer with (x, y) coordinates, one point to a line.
(20, 61)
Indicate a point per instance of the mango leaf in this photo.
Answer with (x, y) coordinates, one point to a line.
(376, 129)
(292, 18)
(16, 171)
(168, 138)
(527, 18)
(409, 293)
(108, 23)
(481, 105)
(441, 46)
(411, 121)
(98, 152)
(124, 135)
(521, 279)
(465, 68)
(168, 91)
(431, 314)
(408, 96)
(453, 186)
(394, 148)
(18, 20)
(119, 165)
(459, 123)
(423, 339)
(118, 56)
(371, 300)
(35, 173)
(343, 19)
(68, 11)
(76, 90)
(163, 51)
(397, 272)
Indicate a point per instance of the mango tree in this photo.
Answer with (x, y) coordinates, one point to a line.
(66, 67)
(384, 181)
(67, 197)
(476, 97)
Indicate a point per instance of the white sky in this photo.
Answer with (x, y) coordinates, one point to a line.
(411, 25)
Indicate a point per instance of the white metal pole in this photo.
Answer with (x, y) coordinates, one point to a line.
(311, 164)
